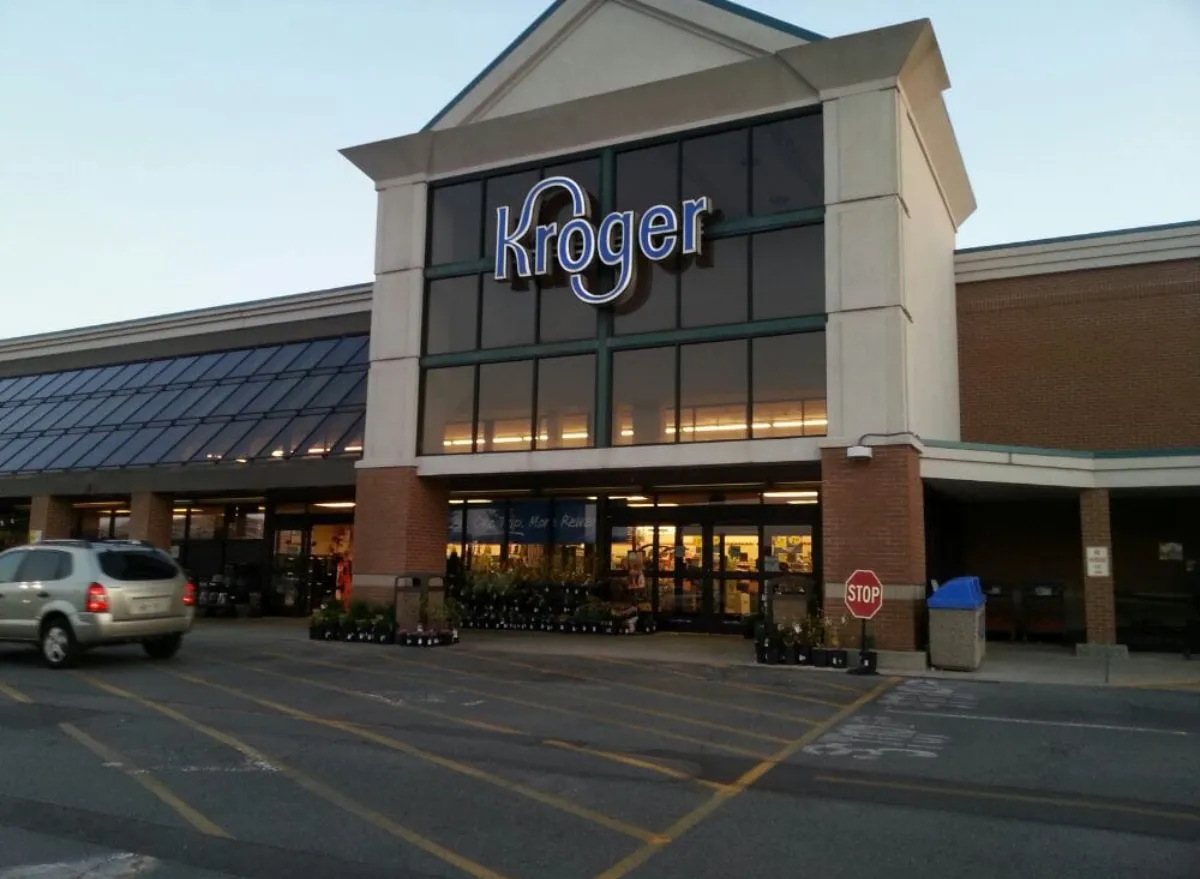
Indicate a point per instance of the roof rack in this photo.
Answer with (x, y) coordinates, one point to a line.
(62, 542)
(117, 541)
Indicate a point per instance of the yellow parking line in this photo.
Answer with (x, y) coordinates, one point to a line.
(318, 789)
(554, 709)
(613, 756)
(632, 761)
(634, 860)
(813, 677)
(489, 657)
(15, 694)
(545, 799)
(149, 782)
(980, 793)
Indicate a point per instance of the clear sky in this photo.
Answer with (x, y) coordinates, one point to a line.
(162, 155)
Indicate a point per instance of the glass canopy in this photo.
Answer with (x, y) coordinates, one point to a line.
(297, 400)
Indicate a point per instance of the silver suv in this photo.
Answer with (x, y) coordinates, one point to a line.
(69, 595)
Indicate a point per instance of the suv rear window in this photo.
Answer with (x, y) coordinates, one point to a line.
(133, 565)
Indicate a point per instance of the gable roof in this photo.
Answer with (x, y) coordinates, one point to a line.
(723, 5)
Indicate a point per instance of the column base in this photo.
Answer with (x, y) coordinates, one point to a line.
(1102, 651)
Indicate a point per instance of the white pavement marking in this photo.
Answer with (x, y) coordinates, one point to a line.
(119, 866)
(871, 737)
(1065, 723)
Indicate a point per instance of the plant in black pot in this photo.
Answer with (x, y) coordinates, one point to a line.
(383, 625)
(837, 654)
(761, 653)
(787, 644)
(868, 658)
(316, 625)
(818, 653)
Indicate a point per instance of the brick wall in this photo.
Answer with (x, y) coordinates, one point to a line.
(1098, 600)
(150, 518)
(873, 516)
(1096, 359)
(54, 517)
(399, 528)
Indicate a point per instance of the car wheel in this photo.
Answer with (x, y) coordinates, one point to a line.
(59, 647)
(163, 648)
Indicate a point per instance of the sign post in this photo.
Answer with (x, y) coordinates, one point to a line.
(864, 599)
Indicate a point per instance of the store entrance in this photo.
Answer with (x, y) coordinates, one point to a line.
(704, 568)
(311, 563)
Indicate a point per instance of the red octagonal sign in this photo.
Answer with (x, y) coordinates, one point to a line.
(864, 594)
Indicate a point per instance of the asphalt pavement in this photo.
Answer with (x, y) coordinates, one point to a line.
(257, 753)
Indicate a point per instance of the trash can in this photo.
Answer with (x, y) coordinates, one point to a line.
(957, 627)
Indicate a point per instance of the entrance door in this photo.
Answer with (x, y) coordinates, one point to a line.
(289, 573)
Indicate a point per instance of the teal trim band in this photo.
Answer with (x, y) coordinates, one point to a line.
(519, 352)
(776, 327)
(749, 225)
(1062, 453)
(458, 269)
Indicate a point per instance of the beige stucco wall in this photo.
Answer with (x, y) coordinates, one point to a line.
(931, 343)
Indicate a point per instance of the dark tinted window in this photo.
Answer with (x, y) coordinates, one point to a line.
(789, 272)
(564, 315)
(344, 352)
(565, 402)
(44, 565)
(52, 451)
(655, 299)
(10, 563)
(505, 419)
(288, 441)
(448, 398)
(643, 396)
(452, 313)
(17, 461)
(789, 386)
(336, 390)
(253, 363)
(456, 223)
(325, 439)
(312, 354)
(257, 438)
(648, 177)
(718, 166)
(713, 290)
(509, 191)
(713, 390)
(789, 165)
(509, 314)
(136, 565)
(159, 446)
(130, 448)
(586, 173)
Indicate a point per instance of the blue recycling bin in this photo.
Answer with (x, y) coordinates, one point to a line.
(957, 625)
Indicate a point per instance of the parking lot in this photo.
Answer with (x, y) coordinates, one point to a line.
(257, 753)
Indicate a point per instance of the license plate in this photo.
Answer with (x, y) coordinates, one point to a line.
(149, 606)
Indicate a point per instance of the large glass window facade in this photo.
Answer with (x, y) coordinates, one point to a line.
(727, 344)
(268, 403)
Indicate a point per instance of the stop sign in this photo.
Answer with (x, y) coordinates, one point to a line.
(864, 594)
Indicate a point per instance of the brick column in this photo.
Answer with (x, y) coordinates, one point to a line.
(1098, 600)
(873, 517)
(51, 518)
(150, 518)
(399, 528)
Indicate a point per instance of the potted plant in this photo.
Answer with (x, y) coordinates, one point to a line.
(818, 653)
(868, 658)
(787, 645)
(837, 654)
(383, 625)
(761, 653)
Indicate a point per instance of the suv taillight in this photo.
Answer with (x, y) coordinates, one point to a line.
(189, 593)
(97, 599)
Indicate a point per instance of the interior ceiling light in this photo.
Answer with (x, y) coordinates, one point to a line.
(807, 493)
(336, 505)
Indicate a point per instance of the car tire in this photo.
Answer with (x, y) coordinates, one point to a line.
(164, 647)
(58, 645)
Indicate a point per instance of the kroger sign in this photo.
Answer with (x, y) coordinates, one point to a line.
(659, 232)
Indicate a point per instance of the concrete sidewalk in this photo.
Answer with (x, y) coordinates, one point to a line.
(1009, 663)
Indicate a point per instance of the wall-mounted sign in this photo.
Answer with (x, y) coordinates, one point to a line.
(1097, 561)
(616, 241)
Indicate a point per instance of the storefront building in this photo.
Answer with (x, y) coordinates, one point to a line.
(676, 325)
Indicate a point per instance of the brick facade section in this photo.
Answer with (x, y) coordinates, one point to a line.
(54, 517)
(1099, 604)
(873, 517)
(150, 518)
(1096, 359)
(399, 527)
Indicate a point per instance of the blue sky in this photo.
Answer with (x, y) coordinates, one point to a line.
(161, 155)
